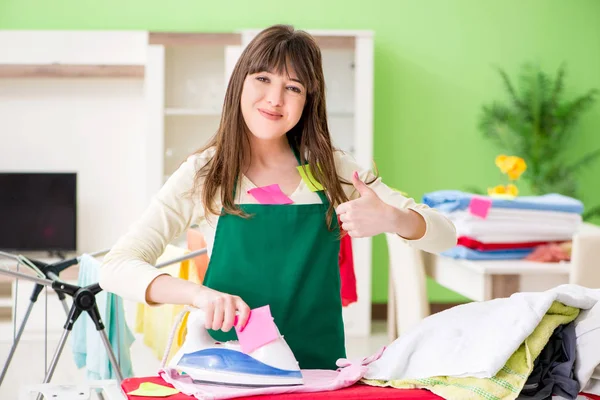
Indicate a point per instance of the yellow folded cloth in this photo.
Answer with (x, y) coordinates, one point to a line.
(156, 322)
(509, 381)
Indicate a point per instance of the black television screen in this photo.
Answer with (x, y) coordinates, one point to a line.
(38, 211)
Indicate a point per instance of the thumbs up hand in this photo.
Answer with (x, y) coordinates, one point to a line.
(367, 215)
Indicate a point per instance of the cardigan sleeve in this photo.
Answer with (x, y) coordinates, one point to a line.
(128, 269)
(440, 233)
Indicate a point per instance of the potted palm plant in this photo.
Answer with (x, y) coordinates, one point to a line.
(536, 123)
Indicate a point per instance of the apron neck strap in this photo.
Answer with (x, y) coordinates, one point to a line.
(321, 193)
(324, 198)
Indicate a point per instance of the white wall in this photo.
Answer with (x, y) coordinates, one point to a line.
(91, 126)
(94, 127)
(73, 47)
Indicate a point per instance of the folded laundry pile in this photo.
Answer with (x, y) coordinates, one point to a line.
(492, 228)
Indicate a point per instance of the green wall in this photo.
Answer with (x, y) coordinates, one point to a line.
(433, 70)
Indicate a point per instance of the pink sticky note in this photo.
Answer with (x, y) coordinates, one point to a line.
(271, 194)
(480, 206)
(259, 330)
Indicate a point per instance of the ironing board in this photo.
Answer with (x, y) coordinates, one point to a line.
(355, 392)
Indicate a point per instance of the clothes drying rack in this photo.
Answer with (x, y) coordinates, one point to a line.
(84, 300)
(51, 271)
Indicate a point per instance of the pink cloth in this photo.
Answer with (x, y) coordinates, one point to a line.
(315, 380)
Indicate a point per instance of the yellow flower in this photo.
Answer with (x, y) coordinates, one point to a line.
(517, 168)
(496, 190)
(501, 163)
(507, 192)
(512, 190)
(513, 166)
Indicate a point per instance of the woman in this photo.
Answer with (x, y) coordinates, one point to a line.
(274, 119)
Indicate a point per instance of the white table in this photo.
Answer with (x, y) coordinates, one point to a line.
(486, 280)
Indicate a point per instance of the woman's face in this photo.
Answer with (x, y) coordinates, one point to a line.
(272, 104)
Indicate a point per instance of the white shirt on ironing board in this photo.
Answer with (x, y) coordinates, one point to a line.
(129, 267)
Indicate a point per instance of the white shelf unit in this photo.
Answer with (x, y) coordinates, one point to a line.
(185, 87)
(186, 77)
(194, 91)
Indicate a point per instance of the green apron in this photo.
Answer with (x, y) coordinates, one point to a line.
(284, 256)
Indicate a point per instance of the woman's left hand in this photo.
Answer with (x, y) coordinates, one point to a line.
(368, 215)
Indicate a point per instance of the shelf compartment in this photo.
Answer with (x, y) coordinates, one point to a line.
(195, 78)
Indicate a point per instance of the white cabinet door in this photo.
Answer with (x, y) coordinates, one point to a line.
(232, 55)
(155, 103)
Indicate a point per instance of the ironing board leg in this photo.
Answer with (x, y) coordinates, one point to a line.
(16, 342)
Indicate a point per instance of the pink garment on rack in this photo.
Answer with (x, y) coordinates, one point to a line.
(551, 253)
(315, 380)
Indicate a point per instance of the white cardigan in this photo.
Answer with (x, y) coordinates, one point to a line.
(128, 268)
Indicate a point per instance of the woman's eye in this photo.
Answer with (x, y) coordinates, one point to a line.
(262, 79)
(294, 89)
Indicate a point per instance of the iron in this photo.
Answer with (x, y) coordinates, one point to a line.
(208, 361)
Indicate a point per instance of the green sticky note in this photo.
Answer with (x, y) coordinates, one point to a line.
(149, 389)
(309, 179)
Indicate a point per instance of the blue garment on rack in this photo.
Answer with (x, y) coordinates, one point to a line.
(88, 348)
(455, 200)
(470, 254)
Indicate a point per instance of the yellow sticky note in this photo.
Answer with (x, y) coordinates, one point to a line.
(309, 179)
(149, 389)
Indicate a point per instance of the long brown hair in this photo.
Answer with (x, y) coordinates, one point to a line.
(273, 50)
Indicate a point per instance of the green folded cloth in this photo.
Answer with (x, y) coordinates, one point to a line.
(509, 381)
